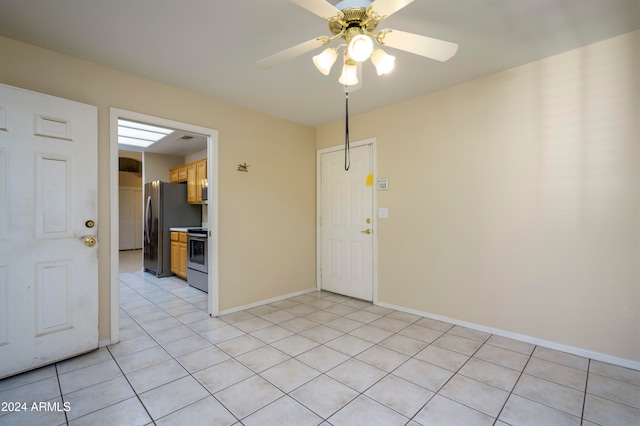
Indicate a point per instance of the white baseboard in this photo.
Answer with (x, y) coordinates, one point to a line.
(622, 362)
(266, 301)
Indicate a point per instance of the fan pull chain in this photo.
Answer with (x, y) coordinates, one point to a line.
(347, 152)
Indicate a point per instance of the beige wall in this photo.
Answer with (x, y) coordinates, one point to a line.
(267, 235)
(514, 200)
(129, 179)
(157, 166)
(195, 157)
(130, 154)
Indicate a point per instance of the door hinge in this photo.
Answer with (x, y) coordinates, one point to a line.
(320, 221)
(320, 272)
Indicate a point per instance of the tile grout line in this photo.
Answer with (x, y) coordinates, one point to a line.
(270, 344)
(66, 418)
(266, 344)
(354, 357)
(131, 386)
(586, 384)
(341, 302)
(298, 333)
(453, 375)
(321, 373)
(173, 358)
(524, 367)
(298, 303)
(154, 303)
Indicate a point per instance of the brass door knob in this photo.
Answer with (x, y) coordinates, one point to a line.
(90, 241)
(366, 231)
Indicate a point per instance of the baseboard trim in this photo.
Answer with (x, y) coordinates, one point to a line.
(266, 301)
(622, 362)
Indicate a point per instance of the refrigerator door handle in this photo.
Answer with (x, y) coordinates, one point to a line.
(148, 220)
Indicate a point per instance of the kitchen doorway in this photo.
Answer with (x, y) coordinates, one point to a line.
(211, 136)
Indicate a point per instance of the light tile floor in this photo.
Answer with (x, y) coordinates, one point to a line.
(319, 358)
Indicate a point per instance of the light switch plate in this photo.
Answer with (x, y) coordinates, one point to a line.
(383, 213)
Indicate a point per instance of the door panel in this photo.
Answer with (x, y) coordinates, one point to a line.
(48, 190)
(126, 220)
(4, 181)
(4, 307)
(347, 204)
(53, 196)
(131, 225)
(137, 219)
(52, 289)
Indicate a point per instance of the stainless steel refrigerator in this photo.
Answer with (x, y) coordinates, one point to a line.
(165, 207)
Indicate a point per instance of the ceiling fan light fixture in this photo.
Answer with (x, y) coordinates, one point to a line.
(360, 47)
(349, 76)
(383, 62)
(325, 60)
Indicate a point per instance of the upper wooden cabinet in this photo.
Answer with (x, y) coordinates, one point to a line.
(192, 195)
(195, 174)
(201, 179)
(178, 174)
(196, 180)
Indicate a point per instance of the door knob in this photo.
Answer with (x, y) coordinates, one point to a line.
(366, 231)
(89, 241)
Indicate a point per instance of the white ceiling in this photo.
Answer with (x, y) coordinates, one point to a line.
(178, 142)
(212, 47)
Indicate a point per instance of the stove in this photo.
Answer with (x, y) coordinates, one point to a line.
(198, 231)
(198, 258)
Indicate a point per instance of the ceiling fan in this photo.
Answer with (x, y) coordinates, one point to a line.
(356, 22)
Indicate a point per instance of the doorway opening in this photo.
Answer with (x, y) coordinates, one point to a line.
(195, 141)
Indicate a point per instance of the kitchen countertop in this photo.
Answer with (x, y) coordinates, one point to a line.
(183, 229)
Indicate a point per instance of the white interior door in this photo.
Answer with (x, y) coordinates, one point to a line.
(127, 219)
(48, 265)
(130, 218)
(138, 229)
(347, 223)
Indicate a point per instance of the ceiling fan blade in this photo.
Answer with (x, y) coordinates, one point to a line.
(386, 8)
(428, 47)
(292, 52)
(321, 8)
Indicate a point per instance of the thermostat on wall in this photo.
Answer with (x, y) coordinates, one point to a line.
(383, 184)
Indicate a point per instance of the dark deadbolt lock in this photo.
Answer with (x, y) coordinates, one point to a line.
(89, 224)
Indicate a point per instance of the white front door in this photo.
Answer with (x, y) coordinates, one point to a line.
(347, 223)
(48, 198)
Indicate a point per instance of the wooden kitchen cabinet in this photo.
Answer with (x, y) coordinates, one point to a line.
(201, 177)
(179, 254)
(196, 176)
(178, 174)
(192, 189)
